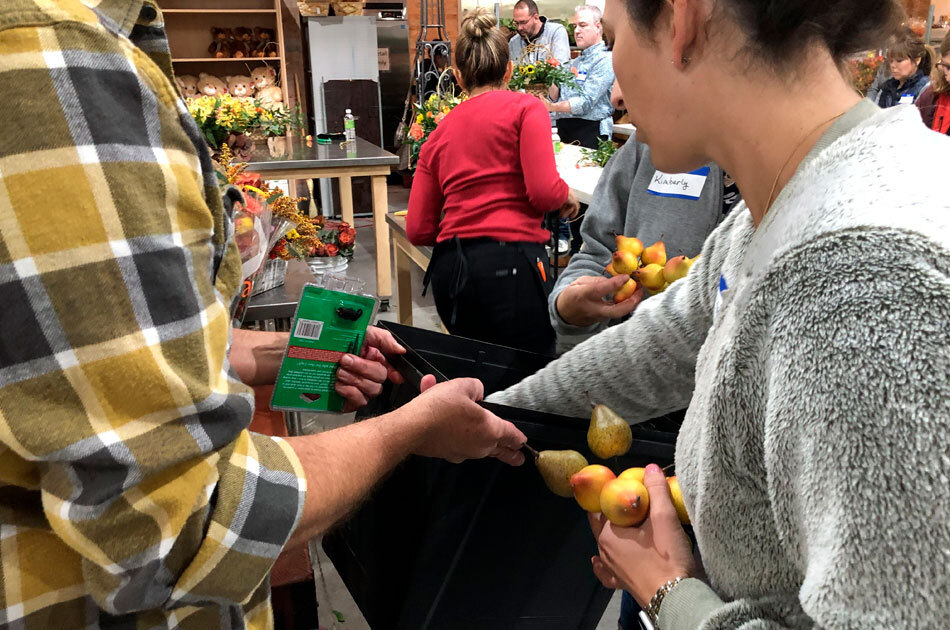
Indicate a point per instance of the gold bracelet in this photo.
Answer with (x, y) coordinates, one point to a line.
(653, 608)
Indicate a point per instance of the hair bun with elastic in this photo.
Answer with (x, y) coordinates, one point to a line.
(479, 23)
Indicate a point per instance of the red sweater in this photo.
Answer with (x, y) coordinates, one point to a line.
(487, 170)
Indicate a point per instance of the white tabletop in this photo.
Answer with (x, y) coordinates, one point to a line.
(581, 180)
(626, 130)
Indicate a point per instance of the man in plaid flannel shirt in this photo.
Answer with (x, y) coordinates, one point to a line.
(131, 492)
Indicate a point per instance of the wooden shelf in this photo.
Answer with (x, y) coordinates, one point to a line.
(173, 11)
(216, 59)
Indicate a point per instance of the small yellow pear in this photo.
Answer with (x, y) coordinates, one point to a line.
(626, 291)
(625, 502)
(654, 254)
(677, 496)
(651, 277)
(629, 244)
(625, 262)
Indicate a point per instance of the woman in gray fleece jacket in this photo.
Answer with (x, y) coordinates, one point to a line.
(811, 341)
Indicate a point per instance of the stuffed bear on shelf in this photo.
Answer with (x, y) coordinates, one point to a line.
(242, 42)
(187, 85)
(240, 86)
(265, 82)
(210, 85)
(266, 43)
(221, 43)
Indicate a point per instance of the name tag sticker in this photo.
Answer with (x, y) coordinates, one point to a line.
(679, 185)
(581, 76)
(907, 99)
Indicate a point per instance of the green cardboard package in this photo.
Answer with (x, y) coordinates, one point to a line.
(327, 325)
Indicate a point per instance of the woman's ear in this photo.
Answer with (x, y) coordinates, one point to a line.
(508, 72)
(689, 30)
(458, 79)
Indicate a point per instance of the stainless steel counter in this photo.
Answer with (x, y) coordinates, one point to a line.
(299, 156)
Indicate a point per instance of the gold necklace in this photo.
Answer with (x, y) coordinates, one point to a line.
(768, 204)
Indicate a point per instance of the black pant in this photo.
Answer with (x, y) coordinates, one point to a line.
(494, 291)
(584, 132)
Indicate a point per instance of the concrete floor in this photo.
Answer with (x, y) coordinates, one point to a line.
(331, 593)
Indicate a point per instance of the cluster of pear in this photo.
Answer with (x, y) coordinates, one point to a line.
(646, 266)
(622, 498)
(608, 435)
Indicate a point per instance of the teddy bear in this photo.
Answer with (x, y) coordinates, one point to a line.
(242, 42)
(187, 85)
(266, 46)
(265, 82)
(240, 86)
(210, 85)
(221, 42)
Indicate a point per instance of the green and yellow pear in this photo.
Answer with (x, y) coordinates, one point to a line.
(557, 468)
(654, 254)
(629, 244)
(608, 435)
(625, 502)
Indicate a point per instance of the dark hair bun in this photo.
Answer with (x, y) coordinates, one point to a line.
(478, 23)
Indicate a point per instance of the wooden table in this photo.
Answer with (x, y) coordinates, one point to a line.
(405, 254)
(344, 163)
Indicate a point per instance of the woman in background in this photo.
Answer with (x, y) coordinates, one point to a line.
(910, 62)
(485, 180)
(934, 102)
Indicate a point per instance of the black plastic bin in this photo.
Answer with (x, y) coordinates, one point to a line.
(479, 545)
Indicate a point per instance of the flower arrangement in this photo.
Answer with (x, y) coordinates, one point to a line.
(223, 115)
(427, 118)
(863, 71)
(316, 238)
(540, 75)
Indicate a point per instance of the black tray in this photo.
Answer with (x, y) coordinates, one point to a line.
(479, 545)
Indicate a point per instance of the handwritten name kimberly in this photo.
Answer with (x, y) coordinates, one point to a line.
(665, 180)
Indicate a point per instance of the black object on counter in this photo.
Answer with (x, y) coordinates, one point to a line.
(479, 545)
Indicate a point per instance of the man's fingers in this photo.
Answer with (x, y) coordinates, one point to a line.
(367, 386)
(510, 457)
(471, 387)
(353, 396)
(427, 382)
(510, 436)
(384, 340)
(363, 368)
(603, 287)
(620, 309)
(391, 373)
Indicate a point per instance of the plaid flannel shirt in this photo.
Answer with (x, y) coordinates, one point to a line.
(131, 492)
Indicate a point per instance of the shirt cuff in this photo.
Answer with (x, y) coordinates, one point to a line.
(687, 605)
(577, 105)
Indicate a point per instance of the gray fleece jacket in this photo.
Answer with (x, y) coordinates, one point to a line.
(621, 204)
(814, 355)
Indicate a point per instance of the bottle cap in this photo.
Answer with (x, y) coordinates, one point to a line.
(347, 111)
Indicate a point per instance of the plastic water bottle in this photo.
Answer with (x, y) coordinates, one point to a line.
(556, 139)
(349, 126)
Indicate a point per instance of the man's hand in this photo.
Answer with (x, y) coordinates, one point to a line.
(562, 107)
(642, 559)
(360, 378)
(454, 427)
(581, 303)
(569, 208)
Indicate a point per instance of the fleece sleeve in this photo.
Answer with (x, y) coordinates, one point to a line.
(855, 441)
(658, 344)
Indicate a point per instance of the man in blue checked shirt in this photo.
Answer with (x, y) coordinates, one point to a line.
(583, 113)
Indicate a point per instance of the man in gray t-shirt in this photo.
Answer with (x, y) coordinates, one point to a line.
(534, 28)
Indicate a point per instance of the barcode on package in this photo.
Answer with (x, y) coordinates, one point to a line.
(308, 329)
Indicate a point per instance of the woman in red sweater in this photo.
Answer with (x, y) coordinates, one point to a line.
(485, 179)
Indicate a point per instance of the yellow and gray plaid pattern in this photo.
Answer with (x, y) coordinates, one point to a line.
(131, 493)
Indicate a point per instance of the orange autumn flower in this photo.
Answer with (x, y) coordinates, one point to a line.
(416, 132)
(554, 62)
(439, 117)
